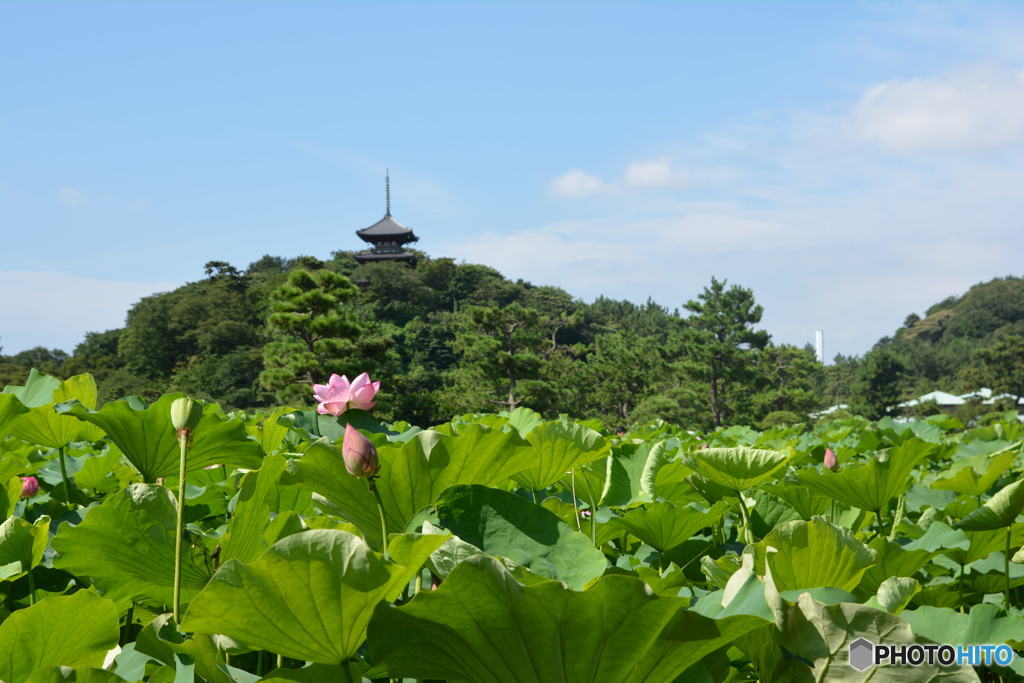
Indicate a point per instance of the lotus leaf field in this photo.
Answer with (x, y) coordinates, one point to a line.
(495, 547)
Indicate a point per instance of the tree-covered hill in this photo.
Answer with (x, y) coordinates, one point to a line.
(446, 338)
(450, 338)
(961, 344)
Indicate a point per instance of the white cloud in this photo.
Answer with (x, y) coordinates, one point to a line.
(56, 309)
(575, 184)
(655, 173)
(648, 173)
(973, 109)
(70, 196)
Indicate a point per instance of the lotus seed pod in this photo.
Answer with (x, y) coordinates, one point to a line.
(185, 414)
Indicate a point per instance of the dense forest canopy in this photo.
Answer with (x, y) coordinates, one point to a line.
(449, 338)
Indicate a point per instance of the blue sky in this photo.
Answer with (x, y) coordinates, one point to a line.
(849, 162)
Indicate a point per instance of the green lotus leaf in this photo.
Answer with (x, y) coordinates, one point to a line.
(559, 447)
(768, 511)
(270, 432)
(80, 675)
(984, 543)
(413, 475)
(10, 409)
(481, 625)
(68, 630)
(806, 503)
(894, 560)
(986, 623)
(147, 438)
(1001, 510)
(623, 484)
(873, 485)
(63, 674)
(44, 426)
(815, 553)
(10, 494)
(244, 538)
(22, 546)
(895, 594)
(37, 390)
(125, 546)
(976, 476)
(162, 641)
(524, 420)
(737, 468)
(940, 536)
(310, 595)
(664, 526)
(505, 525)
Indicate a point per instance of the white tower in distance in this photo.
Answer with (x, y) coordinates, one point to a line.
(819, 345)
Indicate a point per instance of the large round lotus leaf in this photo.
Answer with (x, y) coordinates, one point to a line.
(310, 595)
(10, 409)
(559, 447)
(42, 425)
(146, 436)
(814, 554)
(125, 547)
(737, 468)
(69, 630)
(505, 525)
(998, 511)
(482, 625)
(413, 475)
(664, 526)
(870, 486)
(22, 546)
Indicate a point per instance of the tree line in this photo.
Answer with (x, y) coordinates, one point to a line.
(449, 338)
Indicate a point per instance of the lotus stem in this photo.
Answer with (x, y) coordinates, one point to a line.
(64, 476)
(1006, 566)
(575, 503)
(745, 514)
(593, 510)
(183, 450)
(383, 519)
(31, 588)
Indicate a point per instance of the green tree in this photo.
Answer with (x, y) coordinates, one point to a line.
(502, 351)
(790, 377)
(619, 373)
(312, 333)
(722, 346)
(876, 391)
(1003, 365)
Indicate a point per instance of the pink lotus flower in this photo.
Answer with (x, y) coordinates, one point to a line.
(359, 454)
(29, 487)
(830, 461)
(338, 395)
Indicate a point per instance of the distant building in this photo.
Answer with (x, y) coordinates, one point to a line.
(387, 236)
(948, 403)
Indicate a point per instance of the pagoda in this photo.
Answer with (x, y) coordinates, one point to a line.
(387, 236)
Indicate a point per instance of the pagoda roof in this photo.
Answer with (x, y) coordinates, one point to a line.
(386, 227)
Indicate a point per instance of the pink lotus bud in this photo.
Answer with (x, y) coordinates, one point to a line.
(830, 461)
(29, 487)
(359, 454)
(338, 395)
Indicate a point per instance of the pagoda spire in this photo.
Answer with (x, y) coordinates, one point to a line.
(387, 192)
